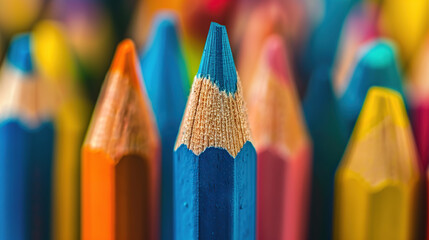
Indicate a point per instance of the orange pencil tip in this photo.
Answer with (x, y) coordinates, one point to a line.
(125, 61)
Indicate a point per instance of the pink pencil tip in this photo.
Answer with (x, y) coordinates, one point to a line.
(276, 56)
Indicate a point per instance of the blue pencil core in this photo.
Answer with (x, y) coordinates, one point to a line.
(19, 54)
(217, 63)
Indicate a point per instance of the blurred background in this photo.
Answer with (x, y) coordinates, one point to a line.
(315, 31)
(323, 39)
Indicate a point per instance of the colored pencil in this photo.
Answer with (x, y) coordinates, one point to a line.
(167, 90)
(406, 22)
(282, 145)
(214, 159)
(26, 146)
(376, 66)
(325, 126)
(263, 21)
(360, 28)
(144, 14)
(120, 157)
(54, 61)
(418, 96)
(322, 44)
(376, 184)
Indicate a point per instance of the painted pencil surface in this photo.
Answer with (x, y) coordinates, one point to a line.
(376, 66)
(324, 124)
(214, 159)
(322, 45)
(282, 145)
(120, 158)
(360, 28)
(26, 146)
(418, 96)
(406, 22)
(167, 84)
(377, 180)
(55, 63)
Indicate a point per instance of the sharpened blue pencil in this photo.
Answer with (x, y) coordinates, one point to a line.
(214, 159)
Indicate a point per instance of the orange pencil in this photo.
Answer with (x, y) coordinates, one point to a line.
(120, 158)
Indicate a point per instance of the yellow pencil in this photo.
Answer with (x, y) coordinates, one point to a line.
(377, 180)
(55, 63)
(406, 22)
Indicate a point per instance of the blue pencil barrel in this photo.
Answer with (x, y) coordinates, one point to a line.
(25, 181)
(215, 194)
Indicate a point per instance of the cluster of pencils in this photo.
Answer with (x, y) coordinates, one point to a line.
(320, 132)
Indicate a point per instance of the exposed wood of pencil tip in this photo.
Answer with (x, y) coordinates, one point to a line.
(24, 96)
(214, 118)
(122, 122)
(274, 110)
(382, 146)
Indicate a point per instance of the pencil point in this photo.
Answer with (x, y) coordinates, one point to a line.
(19, 54)
(381, 104)
(276, 57)
(217, 63)
(125, 61)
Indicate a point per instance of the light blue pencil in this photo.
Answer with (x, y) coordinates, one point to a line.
(165, 77)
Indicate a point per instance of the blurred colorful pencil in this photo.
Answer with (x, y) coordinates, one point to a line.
(214, 159)
(406, 22)
(55, 63)
(418, 96)
(360, 28)
(322, 44)
(376, 66)
(264, 21)
(167, 90)
(376, 185)
(282, 145)
(26, 146)
(120, 157)
(324, 123)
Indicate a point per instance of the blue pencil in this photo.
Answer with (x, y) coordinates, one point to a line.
(323, 121)
(165, 77)
(377, 66)
(214, 159)
(322, 45)
(26, 148)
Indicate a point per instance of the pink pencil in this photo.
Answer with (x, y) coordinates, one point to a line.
(282, 145)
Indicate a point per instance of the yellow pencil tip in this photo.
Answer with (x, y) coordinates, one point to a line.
(52, 52)
(381, 104)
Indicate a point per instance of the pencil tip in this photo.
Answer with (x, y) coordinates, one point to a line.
(19, 54)
(381, 104)
(217, 62)
(125, 60)
(379, 54)
(275, 55)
